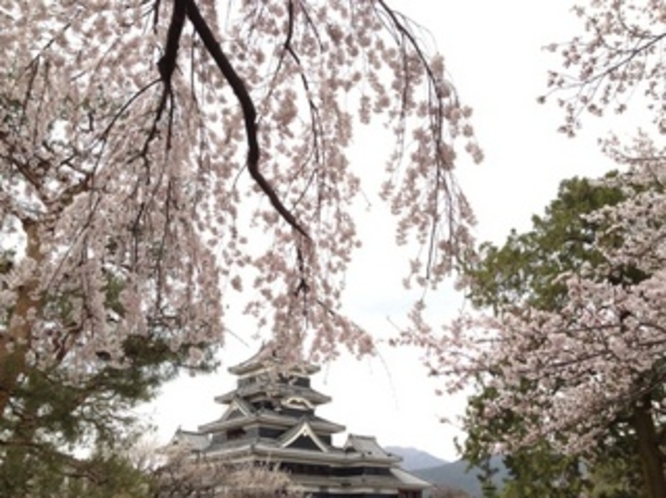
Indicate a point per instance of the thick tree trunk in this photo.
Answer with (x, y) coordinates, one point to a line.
(648, 449)
(15, 344)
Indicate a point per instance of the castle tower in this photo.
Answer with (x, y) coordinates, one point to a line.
(271, 417)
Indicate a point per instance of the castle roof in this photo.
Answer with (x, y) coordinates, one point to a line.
(270, 356)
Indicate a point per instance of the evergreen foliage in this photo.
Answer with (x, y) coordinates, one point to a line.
(524, 270)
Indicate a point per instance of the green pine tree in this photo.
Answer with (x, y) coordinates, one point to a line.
(523, 271)
(66, 437)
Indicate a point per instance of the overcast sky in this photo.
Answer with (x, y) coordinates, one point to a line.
(494, 56)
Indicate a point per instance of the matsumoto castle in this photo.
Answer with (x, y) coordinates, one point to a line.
(270, 417)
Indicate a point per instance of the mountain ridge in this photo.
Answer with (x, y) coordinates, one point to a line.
(457, 475)
(453, 475)
(414, 458)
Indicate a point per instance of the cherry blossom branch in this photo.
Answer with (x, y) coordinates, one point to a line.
(248, 108)
(316, 126)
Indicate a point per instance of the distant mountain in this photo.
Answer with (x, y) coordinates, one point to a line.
(455, 475)
(413, 459)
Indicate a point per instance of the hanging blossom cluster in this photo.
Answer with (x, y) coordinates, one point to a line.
(619, 57)
(569, 374)
(176, 473)
(160, 156)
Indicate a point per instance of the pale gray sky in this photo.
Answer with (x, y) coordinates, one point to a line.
(493, 53)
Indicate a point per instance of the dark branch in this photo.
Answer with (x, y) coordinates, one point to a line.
(247, 106)
(167, 63)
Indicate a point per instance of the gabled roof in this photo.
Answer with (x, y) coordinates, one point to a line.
(193, 440)
(238, 409)
(368, 446)
(303, 429)
(296, 401)
(274, 390)
(268, 357)
(409, 480)
(272, 419)
(238, 406)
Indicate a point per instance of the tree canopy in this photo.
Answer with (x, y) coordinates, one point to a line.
(614, 63)
(524, 271)
(570, 373)
(135, 137)
(159, 159)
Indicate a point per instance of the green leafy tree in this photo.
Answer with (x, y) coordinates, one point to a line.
(524, 271)
(52, 417)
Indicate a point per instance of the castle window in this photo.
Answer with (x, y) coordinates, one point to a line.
(235, 434)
